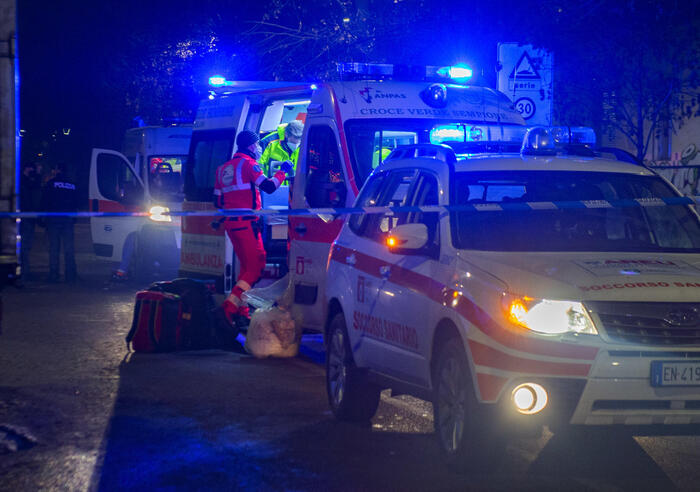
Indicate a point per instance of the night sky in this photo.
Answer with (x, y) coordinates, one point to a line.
(70, 52)
(79, 60)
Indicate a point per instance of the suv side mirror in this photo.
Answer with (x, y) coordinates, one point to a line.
(407, 238)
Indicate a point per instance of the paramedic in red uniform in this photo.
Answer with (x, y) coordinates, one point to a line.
(237, 183)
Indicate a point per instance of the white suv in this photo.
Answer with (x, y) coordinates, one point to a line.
(522, 289)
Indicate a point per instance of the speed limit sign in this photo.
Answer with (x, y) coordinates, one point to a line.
(526, 107)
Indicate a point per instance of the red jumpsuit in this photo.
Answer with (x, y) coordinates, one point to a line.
(236, 186)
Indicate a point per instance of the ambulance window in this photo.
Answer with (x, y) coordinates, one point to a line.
(369, 146)
(165, 176)
(325, 184)
(116, 181)
(394, 192)
(209, 149)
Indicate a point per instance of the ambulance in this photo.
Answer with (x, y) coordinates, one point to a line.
(145, 177)
(517, 289)
(348, 127)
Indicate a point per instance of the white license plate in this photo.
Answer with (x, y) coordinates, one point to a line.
(671, 373)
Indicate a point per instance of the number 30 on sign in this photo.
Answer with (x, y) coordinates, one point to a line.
(526, 107)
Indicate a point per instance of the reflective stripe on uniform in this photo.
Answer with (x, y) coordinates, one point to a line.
(235, 187)
(239, 173)
(243, 285)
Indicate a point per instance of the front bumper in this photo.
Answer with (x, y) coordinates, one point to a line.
(617, 394)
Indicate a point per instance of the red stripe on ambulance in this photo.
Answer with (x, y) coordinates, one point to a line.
(486, 356)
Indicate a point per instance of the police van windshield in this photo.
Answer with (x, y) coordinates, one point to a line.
(371, 141)
(165, 177)
(630, 229)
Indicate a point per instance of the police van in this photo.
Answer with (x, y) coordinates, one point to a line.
(145, 177)
(349, 124)
(516, 289)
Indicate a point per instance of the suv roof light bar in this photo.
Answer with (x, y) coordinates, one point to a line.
(431, 151)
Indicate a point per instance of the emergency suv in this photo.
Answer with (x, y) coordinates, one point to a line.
(517, 288)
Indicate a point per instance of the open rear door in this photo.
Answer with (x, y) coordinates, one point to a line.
(114, 187)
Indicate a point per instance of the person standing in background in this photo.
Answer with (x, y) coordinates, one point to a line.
(29, 201)
(60, 195)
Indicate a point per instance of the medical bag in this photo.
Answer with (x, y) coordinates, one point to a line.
(157, 323)
(204, 325)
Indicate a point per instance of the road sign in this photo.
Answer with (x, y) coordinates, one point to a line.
(526, 107)
(525, 75)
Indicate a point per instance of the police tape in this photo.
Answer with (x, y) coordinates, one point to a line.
(467, 207)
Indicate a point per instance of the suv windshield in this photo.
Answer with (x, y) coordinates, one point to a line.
(372, 140)
(657, 229)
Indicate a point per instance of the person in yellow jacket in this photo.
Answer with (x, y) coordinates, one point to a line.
(282, 149)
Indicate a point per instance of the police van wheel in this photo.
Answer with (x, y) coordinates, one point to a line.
(350, 395)
(463, 429)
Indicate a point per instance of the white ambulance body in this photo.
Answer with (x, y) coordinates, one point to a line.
(146, 174)
(347, 124)
(555, 299)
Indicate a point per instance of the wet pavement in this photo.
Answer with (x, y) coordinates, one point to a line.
(77, 412)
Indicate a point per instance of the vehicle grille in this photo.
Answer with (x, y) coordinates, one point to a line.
(648, 323)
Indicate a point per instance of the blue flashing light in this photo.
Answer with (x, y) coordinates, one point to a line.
(459, 73)
(445, 133)
(313, 87)
(217, 81)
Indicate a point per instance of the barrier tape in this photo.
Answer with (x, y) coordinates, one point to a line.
(475, 207)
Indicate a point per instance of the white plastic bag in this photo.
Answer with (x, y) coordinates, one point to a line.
(265, 297)
(272, 333)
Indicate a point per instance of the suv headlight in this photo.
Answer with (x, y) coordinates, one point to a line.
(156, 214)
(547, 316)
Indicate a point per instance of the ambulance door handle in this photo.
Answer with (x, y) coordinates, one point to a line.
(385, 271)
(300, 229)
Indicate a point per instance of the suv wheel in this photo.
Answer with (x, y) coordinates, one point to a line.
(350, 395)
(462, 426)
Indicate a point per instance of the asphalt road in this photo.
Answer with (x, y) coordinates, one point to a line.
(78, 413)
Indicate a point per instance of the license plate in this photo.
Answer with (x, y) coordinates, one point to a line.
(671, 373)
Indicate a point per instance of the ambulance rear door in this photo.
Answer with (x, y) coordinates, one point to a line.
(114, 187)
(321, 183)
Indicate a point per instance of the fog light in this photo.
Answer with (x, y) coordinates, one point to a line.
(529, 398)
